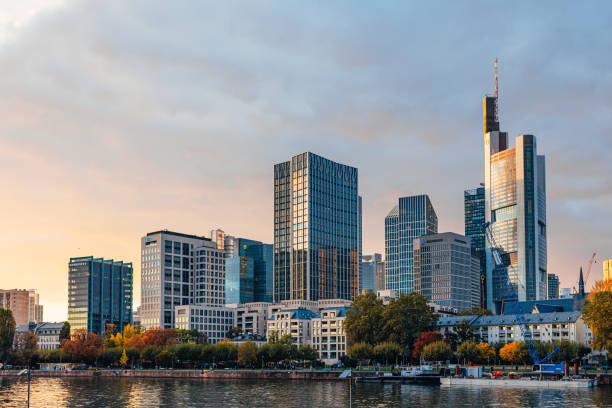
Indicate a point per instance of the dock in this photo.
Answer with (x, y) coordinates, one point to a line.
(522, 383)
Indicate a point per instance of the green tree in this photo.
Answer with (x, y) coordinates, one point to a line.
(207, 353)
(461, 333)
(247, 354)
(133, 355)
(438, 351)
(597, 314)
(7, 332)
(469, 351)
(425, 339)
(110, 356)
(348, 362)
(361, 351)
(225, 352)
(165, 358)
(64, 333)
(569, 351)
(307, 353)
(26, 347)
(149, 354)
(475, 311)
(363, 321)
(388, 352)
(406, 318)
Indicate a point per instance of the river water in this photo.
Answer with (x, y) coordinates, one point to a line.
(138, 392)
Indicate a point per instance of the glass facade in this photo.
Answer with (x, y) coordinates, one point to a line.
(446, 272)
(239, 279)
(99, 293)
(553, 286)
(412, 218)
(317, 229)
(367, 272)
(474, 211)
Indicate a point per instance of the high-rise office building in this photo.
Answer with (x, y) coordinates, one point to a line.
(316, 229)
(446, 271)
(412, 218)
(368, 271)
(99, 293)
(18, 301)
(515, 207)
(239, 280)
(178, 269)
(474, 211)
(380, 276)
(607, 270)
(553, 286)
(36, 309)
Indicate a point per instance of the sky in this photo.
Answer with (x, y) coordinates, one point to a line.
(121, 118)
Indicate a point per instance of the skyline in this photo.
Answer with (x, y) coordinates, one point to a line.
(117, 123)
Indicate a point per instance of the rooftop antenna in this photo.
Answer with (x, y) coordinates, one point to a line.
(496, 85)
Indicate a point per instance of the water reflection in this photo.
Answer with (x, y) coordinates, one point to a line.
(120, 392)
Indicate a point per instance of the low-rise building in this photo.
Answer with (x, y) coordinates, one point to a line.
(328, 335)
(296, 323)
(213, 321)
(504, 328)
(49, 335)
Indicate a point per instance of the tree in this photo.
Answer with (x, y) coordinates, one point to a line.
(7, 332)
(475, 311)
(425, 339)
(189, 352)
(348, 362)
(487, 352)
(165, 358)
(225, 351)
(159, 337)
(135, 342)
(247, 353)
(64, 333)
(307, 353)
(406, 318)
(128, 332)
(438, 351)
(468, 351)
(361, 351)
(190, 336)
(462, 332)
(363, 321)
(569, 351)
(133, 354)
(149, 354)
(207, 353)
(597, 314)
(387, 352)
(124, 359)
(233, 332)
(515, 353)
(83, 346)
(110, 355)
(26, 347)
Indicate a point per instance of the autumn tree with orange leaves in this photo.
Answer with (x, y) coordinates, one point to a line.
(83, 346)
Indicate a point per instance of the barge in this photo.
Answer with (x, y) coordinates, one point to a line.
(523, 382)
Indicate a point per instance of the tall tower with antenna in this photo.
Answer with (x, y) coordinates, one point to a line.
(490, 117)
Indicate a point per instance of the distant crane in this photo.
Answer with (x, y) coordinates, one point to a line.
(591, 262)
(512, 296)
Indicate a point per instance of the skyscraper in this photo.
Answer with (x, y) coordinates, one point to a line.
(316, 229)
(99, 293)
(446, 271)
(412, 218)
(178, 269)
(515, 207)
(607, 270)
(368, 271)
(553, 286)
(474, 211)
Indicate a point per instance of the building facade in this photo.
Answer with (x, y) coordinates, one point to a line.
(412, 218)
(48, 335)
(296, 323)
(607, 270)
(18, 301)
(553, 286)
(515, 207)
(99, 293)
(317, 229)
(474, 212)
(249, 270)
(213, 320)
(328, 335)
(178, 269)
(36, 309)
(368, 272)
(446, 271)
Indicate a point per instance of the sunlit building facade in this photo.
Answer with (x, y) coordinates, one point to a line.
(316, 229)
(607, 270)
(412, 218)
(99, 293)
(515, 207)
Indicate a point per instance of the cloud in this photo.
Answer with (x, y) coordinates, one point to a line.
(121, 118)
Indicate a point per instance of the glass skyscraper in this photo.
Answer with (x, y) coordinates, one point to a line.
(368, 271)
(474, 210)
(515, 207)
(249, 271)
(317, 228)
(553, 286)
(412, 218)
(99, 293)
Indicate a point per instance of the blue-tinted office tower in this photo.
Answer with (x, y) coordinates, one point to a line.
(99, 293)
(317, 229)
(249, 271)
(411, 218)
(474, 206)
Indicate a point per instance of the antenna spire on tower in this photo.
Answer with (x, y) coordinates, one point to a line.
(496, 87)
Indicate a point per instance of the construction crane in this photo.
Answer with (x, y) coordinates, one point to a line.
(512, 296)
(591, 262)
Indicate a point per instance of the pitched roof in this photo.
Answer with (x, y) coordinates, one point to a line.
(530, 318)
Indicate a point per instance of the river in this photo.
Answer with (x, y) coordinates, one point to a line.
(139, 392)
